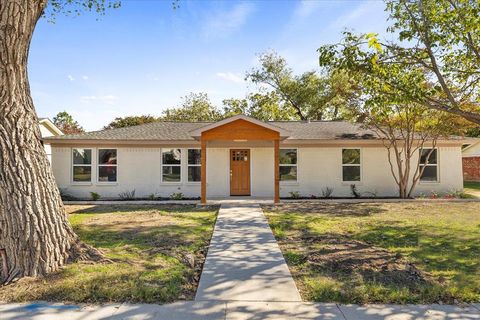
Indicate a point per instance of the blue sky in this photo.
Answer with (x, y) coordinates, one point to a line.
(143, 57)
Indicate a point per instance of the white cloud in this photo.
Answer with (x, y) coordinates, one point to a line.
(230, 76)
(70, 77)
(305, 8)
(85, 78)
(222, 23)
(107, 99)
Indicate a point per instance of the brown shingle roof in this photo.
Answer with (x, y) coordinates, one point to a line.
(165, 131)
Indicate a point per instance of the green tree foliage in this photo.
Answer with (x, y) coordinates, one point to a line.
(65, 122)
(309, 95)
(195, 107)
(262, 106)
(435, 60)
(129, 121)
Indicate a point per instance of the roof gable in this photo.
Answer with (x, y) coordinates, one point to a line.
(240, 118)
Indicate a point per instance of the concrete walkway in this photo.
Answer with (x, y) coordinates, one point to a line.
(238, 310)
(244, 262)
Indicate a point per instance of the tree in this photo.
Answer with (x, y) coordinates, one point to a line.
(310, 95)
(409, 130)
(195, 107)
(129, 121)
(441, 38)
(64, 121)
(262, 106)
(35, 235)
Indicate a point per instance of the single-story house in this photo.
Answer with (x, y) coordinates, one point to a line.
(240, 156)
(471, 161)
(48, 129)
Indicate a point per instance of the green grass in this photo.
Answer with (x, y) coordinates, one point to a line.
(472, 189)
(441, 239)
(151, 248)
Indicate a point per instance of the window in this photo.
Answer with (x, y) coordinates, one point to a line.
(82, 165)
(107, 165)
(194, 165)
(351, 165)
(171, 165)
(430, 173)
(288, 164)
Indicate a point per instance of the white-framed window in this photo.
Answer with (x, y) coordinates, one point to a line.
(194, 165)
(107, 165)
(288, 164)
(430, 173)
(171, 165)
(351, 165)
(81, 165)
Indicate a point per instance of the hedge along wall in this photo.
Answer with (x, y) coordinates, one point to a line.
(471, 168)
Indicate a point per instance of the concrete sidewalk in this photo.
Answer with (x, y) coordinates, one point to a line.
(238, 310)
(244, 262)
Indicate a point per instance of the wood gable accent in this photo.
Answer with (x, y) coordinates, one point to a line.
(240, 130)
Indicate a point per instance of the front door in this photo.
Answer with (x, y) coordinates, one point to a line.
(240, 172)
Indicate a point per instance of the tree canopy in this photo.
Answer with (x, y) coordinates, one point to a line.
(65, 122)
(435, 60)
(310, 95)
(128, 121)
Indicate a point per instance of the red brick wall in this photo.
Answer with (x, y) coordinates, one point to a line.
(471, 168)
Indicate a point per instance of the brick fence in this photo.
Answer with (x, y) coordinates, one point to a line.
(471, 168)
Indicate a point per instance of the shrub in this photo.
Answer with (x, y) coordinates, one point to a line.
(327, 192)
(354, 191)
(152, 196)
(176, 196)
(127, 195)
(95, 196)
(65, 195)
(294, 194)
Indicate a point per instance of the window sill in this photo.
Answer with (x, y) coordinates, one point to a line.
(428, 182)
(193, 183)
(289, 183)
(107, 183)
(79, 184)
(171, 183)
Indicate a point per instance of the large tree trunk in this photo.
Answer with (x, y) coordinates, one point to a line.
(35, 235)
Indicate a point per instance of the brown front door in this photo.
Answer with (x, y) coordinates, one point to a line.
(240, 172)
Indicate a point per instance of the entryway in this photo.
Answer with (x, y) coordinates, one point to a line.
(240, 172)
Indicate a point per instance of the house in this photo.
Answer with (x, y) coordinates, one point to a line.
(471, 161)
(48, 129)
(239, 156)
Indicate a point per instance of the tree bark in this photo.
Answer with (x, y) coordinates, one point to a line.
(35, 235)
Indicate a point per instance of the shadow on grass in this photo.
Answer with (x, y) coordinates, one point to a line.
(127, 208)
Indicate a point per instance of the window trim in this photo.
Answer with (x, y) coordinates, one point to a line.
(91, 165)
(287, 165)
(171, 165)
(430, 165)
(351, 165)
(193, 165)
(98, 165)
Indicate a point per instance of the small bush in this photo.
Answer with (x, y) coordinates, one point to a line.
(354, 191)
(127, 195)
(95, 196)
(327, 192)
(152, 196)
(294, 194)
(65, 195)
(176, 196)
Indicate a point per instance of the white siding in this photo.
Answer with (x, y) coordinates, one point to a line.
(318, 167)
(472, 151)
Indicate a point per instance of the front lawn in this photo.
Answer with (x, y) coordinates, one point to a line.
(157, 253)
(415, 252)
(472, 188)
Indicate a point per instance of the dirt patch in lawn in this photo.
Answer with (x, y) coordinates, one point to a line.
(336, 253)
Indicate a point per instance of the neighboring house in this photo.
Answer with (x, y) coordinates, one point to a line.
(239, 156)
(48, 129)
(471, 161)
